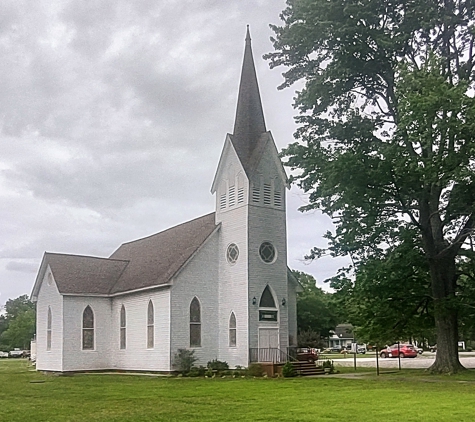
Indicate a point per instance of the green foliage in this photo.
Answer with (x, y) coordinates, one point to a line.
(309, 338)
(288, 370)
(328, 365)
(197, 371)
(120, 397)
(387, 136)
(183, 360)
(18, 325)
(217, 365)
(315, 312)
(255, 370)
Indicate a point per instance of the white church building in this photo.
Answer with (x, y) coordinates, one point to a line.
(218, 284)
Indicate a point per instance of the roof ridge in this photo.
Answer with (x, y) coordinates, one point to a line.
(85, 256)
(166, 230)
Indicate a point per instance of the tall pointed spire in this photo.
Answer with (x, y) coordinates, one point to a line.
(249, 123)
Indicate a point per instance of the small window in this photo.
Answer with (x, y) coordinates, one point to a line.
(232, 253)
(240, 195)
(267, 194)
(222, 201)
(232, 196)
(267, 299)
(150, 326)
(88, 329)
(123, 343)
(267, 252)
(195, 323)
(232, 330)
(48, 329)
(277, 198)
(256, 194)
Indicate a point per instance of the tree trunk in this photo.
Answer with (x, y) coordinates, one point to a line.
(443, 277)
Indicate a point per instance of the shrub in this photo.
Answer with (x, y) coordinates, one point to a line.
(197, 371)
(217, 365)
(288, 370)
(255, 370)
(183, 360)
(328, 364)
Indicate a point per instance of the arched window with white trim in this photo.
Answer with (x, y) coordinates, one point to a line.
(88, 329)
(150, 326)
(195, 323)
(232, 330)
(49, 329)
(123, 327)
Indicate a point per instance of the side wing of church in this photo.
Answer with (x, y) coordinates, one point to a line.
(218, 284)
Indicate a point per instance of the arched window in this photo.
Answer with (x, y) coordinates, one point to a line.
(48, 329)
(88, 329)
(122, 328)
(232, 330)
(195, 323)
(267, 300)
(150, 326)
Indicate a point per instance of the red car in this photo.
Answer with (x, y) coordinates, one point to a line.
(307, 354)
(405, 351)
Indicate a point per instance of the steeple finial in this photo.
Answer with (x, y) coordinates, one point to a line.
(249, 123)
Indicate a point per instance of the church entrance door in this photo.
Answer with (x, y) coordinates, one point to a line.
(269, 345)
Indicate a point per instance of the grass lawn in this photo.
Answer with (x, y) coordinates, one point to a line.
(408, 395)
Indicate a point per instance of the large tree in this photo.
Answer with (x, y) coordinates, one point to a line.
(315, 312)
(18, 323)
(387, 126)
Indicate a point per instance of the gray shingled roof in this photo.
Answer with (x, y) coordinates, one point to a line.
(84, 274)
(155, 259)
(249, 124)
(146, 262)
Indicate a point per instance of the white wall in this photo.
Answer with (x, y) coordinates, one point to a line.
(76, 359)
(49, 296)
(136, 355)
(268, 223)
(198, 278)
(233, 286)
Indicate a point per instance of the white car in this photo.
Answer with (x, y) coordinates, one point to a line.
(3, 354)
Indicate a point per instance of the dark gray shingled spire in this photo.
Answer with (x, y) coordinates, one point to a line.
(249, 124)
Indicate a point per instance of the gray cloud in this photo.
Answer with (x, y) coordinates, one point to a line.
(112, 119)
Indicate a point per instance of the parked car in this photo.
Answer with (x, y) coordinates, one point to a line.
(3, 354)
(419, 350)
(361, 350)
(433, 348)
(307, 354)
(404, 351)
(16, 353)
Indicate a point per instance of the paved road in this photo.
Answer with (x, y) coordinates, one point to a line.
(422, 361)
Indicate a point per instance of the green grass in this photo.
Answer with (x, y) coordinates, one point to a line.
(409, 395)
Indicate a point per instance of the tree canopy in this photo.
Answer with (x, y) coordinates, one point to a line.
(17, 326)
(386, 135)
(316, 315)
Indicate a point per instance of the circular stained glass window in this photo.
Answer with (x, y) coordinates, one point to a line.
(267, 252)
(232, 253)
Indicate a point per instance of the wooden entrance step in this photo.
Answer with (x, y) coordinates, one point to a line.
(307, 368)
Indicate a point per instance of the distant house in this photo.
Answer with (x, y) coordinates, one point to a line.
(341, 337)
(218, 284)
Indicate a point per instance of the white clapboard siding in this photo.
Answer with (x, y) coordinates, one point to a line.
(49, 296)
(199, 278)
(268, 223)
(75, 358)
(136, 355)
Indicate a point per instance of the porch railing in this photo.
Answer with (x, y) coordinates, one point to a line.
(270, 354)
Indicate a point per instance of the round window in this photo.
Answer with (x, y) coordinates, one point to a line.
(267, 252)
(232, 253)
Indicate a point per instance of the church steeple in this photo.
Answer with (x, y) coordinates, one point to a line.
(249, 124)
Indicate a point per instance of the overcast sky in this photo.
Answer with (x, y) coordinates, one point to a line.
(113, 114)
